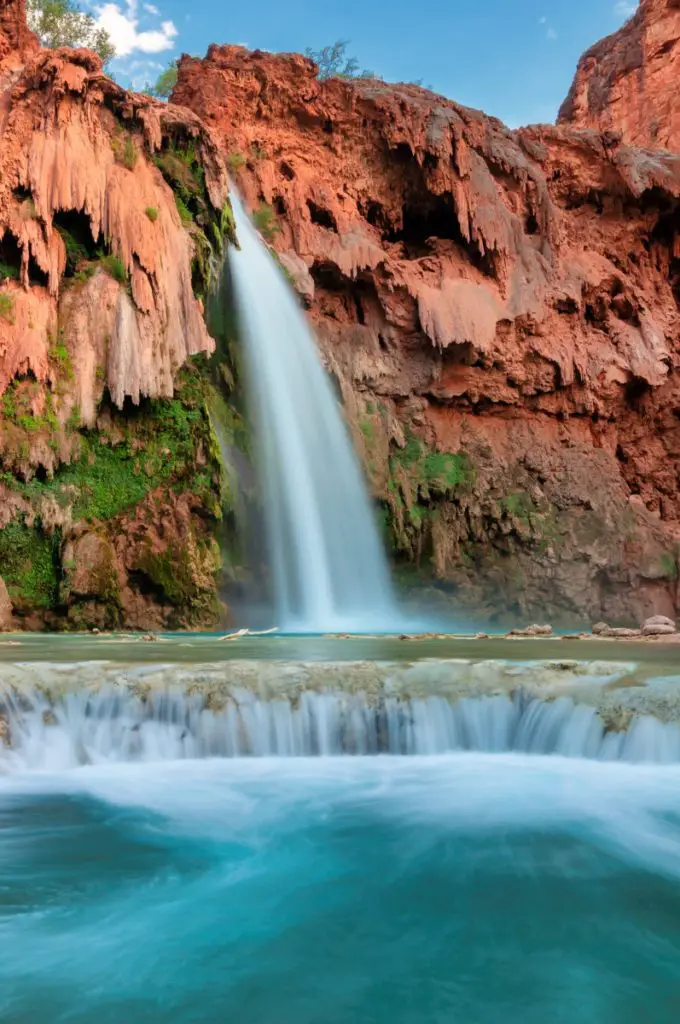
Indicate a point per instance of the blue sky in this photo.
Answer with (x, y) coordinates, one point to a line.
(512, 59)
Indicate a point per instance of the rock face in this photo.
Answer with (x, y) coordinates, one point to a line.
(112, 213)
(6, 619)
(628, 82)
(501, 312)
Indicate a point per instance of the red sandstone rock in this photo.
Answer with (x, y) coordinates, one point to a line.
(15, 38)
(627, 84)
(513, 296)
(63, 125)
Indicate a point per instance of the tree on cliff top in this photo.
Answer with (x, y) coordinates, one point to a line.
(62, 23)
(164, 84)
(334, 63)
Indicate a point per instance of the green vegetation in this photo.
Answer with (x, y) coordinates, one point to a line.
(518, 505)
(418, 478)
(152, 213)
(669, 565)
(125, 150)
(7, 307)
(29, 563)
(78, 250)
(62, 23)
(181, 166)
(538, 522)
(114, 266)
(236, 161)
(60, 357)
(264, 219)
(159, 444)
(164, 84)
(185, 576)
(183, 211)
(430, 471)
(368, 430)
(8, 272)
(17, 404)
(334, 62)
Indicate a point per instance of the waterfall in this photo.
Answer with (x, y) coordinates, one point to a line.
(81, 728)
(329, 570)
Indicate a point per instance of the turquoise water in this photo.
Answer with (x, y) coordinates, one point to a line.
(406, 890)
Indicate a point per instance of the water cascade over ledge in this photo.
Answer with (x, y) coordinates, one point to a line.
(329, 570)
(40, 733)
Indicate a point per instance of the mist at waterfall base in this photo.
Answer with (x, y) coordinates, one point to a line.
(329, 570)
(382, 890)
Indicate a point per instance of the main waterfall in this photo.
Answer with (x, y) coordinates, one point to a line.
(329, 570)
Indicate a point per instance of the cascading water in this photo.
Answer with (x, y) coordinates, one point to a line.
(83, 728)
(329, 569)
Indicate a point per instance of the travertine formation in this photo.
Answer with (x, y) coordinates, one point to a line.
(501, 311)
(111, 205)
(627, 84)
(75, 143)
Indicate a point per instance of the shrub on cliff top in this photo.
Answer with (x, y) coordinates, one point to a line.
(334, 63)
(62, 23)
(164, 84)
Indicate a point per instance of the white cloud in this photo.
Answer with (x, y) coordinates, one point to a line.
(123, 27)
(150, 9)
(551, 34)
(625, 8)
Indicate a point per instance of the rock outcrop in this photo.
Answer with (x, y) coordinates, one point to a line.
(501, 311)
(113, 212)
(6, 617)
(627, 84)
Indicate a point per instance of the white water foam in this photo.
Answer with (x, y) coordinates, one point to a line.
(84, 728)
(329, 570)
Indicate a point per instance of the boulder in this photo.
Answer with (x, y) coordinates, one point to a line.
(534, 630)
(621, 632)
(90, 568)
(658, 620)
(658, 630)
(600, 627)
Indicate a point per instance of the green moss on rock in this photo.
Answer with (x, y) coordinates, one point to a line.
(29, 564)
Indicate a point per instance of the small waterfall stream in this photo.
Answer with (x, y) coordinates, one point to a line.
(89, 728)
(329, 570)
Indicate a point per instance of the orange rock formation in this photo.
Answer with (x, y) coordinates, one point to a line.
(628, 82)
(502, 313)
(99, 309)
(76, 143)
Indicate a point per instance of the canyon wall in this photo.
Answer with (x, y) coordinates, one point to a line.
(112, 214)
(627, 84)
(501, 313)
(499, 310)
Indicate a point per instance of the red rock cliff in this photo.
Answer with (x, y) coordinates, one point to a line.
(15, 38)
(110, 203)
(502, 313)
(628, 82)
